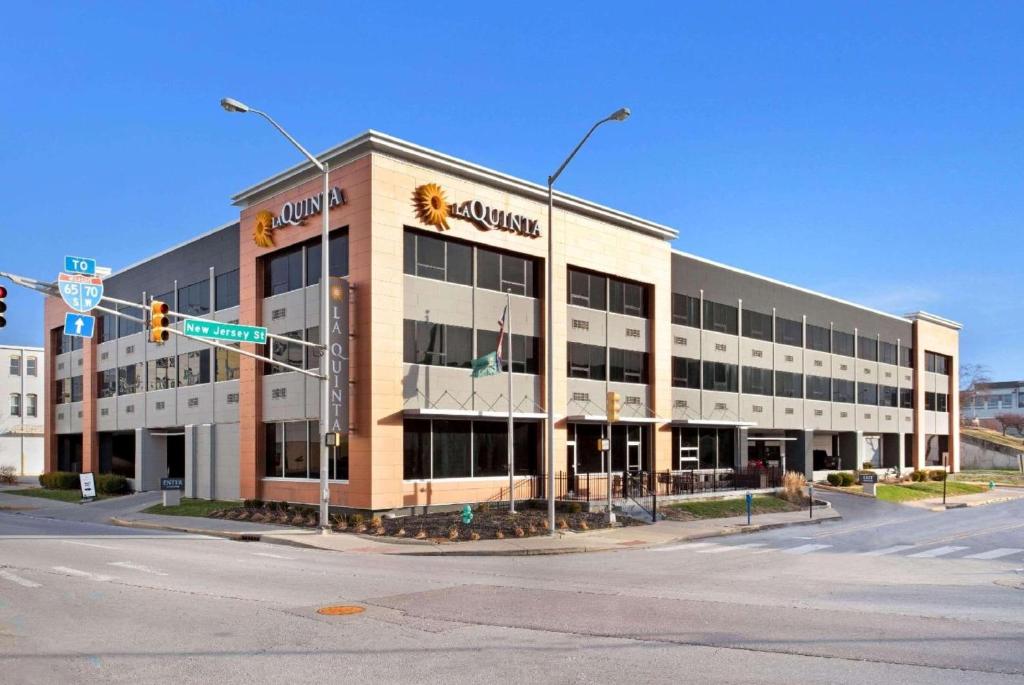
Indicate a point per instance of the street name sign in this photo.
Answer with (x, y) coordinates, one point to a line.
(230, 332)
(80, 265)
(80, 292)
(88, 484)
(81, 325)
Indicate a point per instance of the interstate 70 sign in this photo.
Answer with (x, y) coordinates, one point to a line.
(81, 293)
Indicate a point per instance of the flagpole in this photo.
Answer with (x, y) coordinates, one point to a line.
(511, 446)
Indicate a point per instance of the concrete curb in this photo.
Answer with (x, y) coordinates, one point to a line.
(433, 550)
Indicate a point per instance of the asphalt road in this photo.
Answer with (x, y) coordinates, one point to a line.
(85, 602)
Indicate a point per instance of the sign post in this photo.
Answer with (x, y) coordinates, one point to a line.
(88, 484)
(868, 482)
(172, 488)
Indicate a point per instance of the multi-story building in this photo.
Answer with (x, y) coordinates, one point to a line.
(22, 381)
(994, 398)
(717, 368)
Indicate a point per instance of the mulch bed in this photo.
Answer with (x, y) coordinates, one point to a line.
(439, 526)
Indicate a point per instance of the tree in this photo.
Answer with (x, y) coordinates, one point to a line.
(1008, 420)
(974, 378)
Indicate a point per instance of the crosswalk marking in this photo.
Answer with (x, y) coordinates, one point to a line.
(24, 582)
(937, 552)
(98, 577)
(688, 545)
(137, 567)
(271, 556)
(86, 544)
(994, 553)
(730, 548)
(887, 550)
(804, 549)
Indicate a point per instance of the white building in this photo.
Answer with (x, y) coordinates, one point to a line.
(22, 382)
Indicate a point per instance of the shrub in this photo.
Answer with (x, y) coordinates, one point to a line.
(918, 476)
(109, 484)
(575, 507)
(847, 478)
(835, 479)
(355, 520)
(867, 465)
(8, 475)
(252, 503)
(937, 475)
(793, 486)
(60, 480)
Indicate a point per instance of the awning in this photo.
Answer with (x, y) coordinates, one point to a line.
(714, 422)
(438, 413)
(601, 418)
(768, 438)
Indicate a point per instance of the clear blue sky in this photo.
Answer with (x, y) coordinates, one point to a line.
(874, 153)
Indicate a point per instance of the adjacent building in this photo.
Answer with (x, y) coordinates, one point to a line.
(22, 384)
(718, 369)
(994, 398)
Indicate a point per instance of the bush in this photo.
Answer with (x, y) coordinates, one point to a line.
(918, 476)
(867, 465)
(60, 480)
(835, 479)
(8, 475)
(847, 479)
(937, 475)
(793, 486)
(109, 484)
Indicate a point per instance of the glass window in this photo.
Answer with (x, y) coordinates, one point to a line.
(313, 450)
(867, 393)
(757, 381)
(337, 246)
(843, 343)
(937, 450)
(685, 372)
(906, 398)
(687, 440)
(708, 449)
(757, 325)
(490, 448)
(789, 332)
(719, 317)
(887, 353)
(194, 299)
(843, 391)
(416, 449)
(106, 328)
(587, 290)
(867, 348)
(31, 366)
(505, 272)
(106, 383)
(526, 442)
(15, 404)
(425, 342)
(163, 373)
(31, 405)
(193, 368)
(586, 361)
(941, 401)
(929, 401)
(15, 366)
(451, 457)
(685, 310)
(226, 290)
(228, 365)
(313, 355)
(819, 338)
(282, 271)
(130, 379)
(296, 440)
(627, 298)
(937, 363)
(789, 384)
(819, 388)
(274, 450)
(76, 388)
(588, 458)
(443, 260)
(907, 357)
(887, 396)
(525, 350)
(627, 366)
(285, 352)
(721, 377)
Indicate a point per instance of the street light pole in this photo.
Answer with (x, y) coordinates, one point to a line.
(618, 115)
(232, 105)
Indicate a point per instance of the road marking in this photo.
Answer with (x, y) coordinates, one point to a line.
(937, 552)
(730, 548)
(804, 549)
(24, 582)
(995, 553)
(98, 577)
(137, 567)
(887, 550)
(87, 544)
(271, 556)
(688, 545)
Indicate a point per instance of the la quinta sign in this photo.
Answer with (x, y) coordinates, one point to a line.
(433, 209)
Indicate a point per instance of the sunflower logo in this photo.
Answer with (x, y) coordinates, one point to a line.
(431, 205)
(263, 231)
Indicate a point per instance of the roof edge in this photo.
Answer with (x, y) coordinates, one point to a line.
(161, 253)
(935, 319)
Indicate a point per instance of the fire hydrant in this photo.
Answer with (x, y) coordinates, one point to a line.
(467, 515)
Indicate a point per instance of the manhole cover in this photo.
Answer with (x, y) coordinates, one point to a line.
(340, 610)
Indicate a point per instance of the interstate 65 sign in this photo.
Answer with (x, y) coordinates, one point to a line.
(81, 293)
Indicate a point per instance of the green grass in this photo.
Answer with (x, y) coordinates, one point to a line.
(907, 492)
(724, 508)
(994, 436)
(193, 507)
(1008, 476)
(74, 496)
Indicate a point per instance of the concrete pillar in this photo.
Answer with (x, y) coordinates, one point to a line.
(742, 441)
(800, 454)
(190, 462)
(851, 449)
(199, 464)
(150, 459)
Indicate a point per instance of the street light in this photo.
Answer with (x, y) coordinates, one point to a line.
(232, 105)
(618, 115)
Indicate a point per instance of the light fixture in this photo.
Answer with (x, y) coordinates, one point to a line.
(232, 105)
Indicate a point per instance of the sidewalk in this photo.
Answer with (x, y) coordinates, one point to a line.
(999, 494)
(632, 537)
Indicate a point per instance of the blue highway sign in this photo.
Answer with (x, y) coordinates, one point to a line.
(81, 293)
(80, 265)
(81, 325)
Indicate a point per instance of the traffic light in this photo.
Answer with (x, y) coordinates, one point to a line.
(158, 322)
(3, 306)
(614, 406)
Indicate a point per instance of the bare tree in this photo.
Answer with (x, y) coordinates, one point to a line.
(974, 378)
(1008, 420)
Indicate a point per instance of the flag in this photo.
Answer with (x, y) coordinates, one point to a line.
(501, 336)
(486, 365)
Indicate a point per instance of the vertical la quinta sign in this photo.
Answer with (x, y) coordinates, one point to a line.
(337, 356)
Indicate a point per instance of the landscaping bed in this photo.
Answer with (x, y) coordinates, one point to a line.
(193, 507)
(998, 476)
(488, 523)
(726, 508)
(906, 492)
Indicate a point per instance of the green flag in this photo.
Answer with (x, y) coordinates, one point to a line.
(486, 365)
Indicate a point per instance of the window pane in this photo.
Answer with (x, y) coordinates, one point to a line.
(818, 338)
(409, 253)
(488, 269)
(843, 343)
(721, 377)
(429, 257)
(490, 447)
(685, 310)
(720, 317)
(193, 368)
(272, 449)
(194, 299)
(685, 372)
(459, 352)
(313, 260)
(338, 253)
(313, 449)
(789, 384)
(843, 391)
(228, 365)
(296, 441)
(867, 348)
(867, 393)
(708, 450)
(416, 449)
(819, 388)
(226, 290)
(163, 373)
(460, 263)
(451, 449)
(513, 275)
(789, 332)
(887, 353)
(757, 381)
(757, 325)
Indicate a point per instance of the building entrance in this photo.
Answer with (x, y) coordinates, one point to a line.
(175, 456)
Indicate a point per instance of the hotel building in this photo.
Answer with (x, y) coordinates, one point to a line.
(718, 369)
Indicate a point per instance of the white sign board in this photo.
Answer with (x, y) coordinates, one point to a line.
(88, 483)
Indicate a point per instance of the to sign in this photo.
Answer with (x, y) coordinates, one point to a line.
(81, 325)
(88, 484)
(172, 483)
(231, 332)
(80, 265)
(81, 293)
